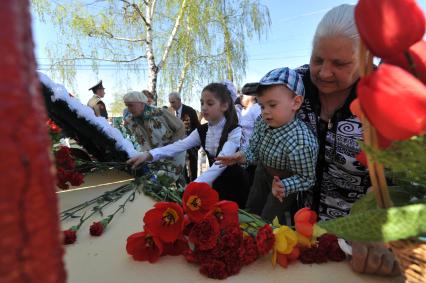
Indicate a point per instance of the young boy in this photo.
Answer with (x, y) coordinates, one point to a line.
(283, 147)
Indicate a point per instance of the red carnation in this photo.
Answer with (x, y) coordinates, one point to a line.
(389, 27)
(304, 220)
(70, 236)
(96, 229)
(232, 237)
(76, 178)
(232, 262)
(142, 246)
(394, 102)
(226, 213)
(265, 239)
(205, 233)
(164, 221)
(214, 269)
(248, 251)
(335, 253)
(190, 256)
(313, 255)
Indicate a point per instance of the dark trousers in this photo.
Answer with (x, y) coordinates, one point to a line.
(192, 164)
(261, 201)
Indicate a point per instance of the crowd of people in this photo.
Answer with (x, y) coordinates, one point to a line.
(288, 141)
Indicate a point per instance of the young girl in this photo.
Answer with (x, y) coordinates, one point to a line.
(220, 136)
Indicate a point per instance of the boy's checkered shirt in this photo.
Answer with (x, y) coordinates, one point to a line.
(292, 147)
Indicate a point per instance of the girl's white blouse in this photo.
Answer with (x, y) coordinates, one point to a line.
(214, 132)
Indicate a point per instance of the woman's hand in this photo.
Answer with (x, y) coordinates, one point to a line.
(223, 161)
(140, 158)
(278, 188)
(373, 259)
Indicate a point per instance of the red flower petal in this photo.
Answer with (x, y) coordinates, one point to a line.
(70, 236)
(294, 255)
(282, 260)
(198, 199)
(356, 108)
(389, 27)
(164, 221)
(96, 229)
(304, 228)
(418, 55)
(361, 157)
(204, 234)
(176, 248)
(143, 247)
(226, 213)
(305, 215)
(394, 102)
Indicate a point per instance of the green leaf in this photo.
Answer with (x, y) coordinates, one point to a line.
(242, 218)
(276, 222)
(400, 196)
(380, 225)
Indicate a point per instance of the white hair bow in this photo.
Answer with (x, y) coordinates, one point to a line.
(232, 89)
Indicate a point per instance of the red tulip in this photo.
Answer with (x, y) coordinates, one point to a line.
(389, 27)
(226, 213)
(164, 221)
(143, 246)
(304, 220)
(394, 102)
(417, 53)
(198, 199)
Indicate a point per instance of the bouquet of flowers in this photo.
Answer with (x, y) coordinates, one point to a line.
(221, 238)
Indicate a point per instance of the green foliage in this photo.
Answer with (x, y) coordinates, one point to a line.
(405, 159)
(117, 106)
(380, 225)
(400, 196)
(209, 44)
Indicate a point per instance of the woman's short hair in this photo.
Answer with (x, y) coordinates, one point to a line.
(339, 21)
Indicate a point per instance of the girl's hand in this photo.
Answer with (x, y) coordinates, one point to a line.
(278, 188)
(223, 161)
(140, 158)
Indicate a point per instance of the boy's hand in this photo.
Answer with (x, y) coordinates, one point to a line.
(278, 188)
(140, 158)
(223, 161)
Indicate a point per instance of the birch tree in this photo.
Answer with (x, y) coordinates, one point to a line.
(178, 44)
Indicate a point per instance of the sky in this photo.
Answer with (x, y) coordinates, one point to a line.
(288, 43)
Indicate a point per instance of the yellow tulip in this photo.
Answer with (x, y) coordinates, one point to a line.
(285, 239)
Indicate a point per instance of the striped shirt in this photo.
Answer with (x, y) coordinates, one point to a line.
(291, 147)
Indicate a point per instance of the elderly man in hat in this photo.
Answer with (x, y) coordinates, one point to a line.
(96, 102)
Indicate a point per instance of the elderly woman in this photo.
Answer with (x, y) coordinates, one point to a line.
(154, 127)
(330, 84)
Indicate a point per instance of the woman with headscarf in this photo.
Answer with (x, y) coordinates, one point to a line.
(154, 127)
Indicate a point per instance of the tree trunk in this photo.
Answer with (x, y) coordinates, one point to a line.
(30, 243)
(153, 69)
